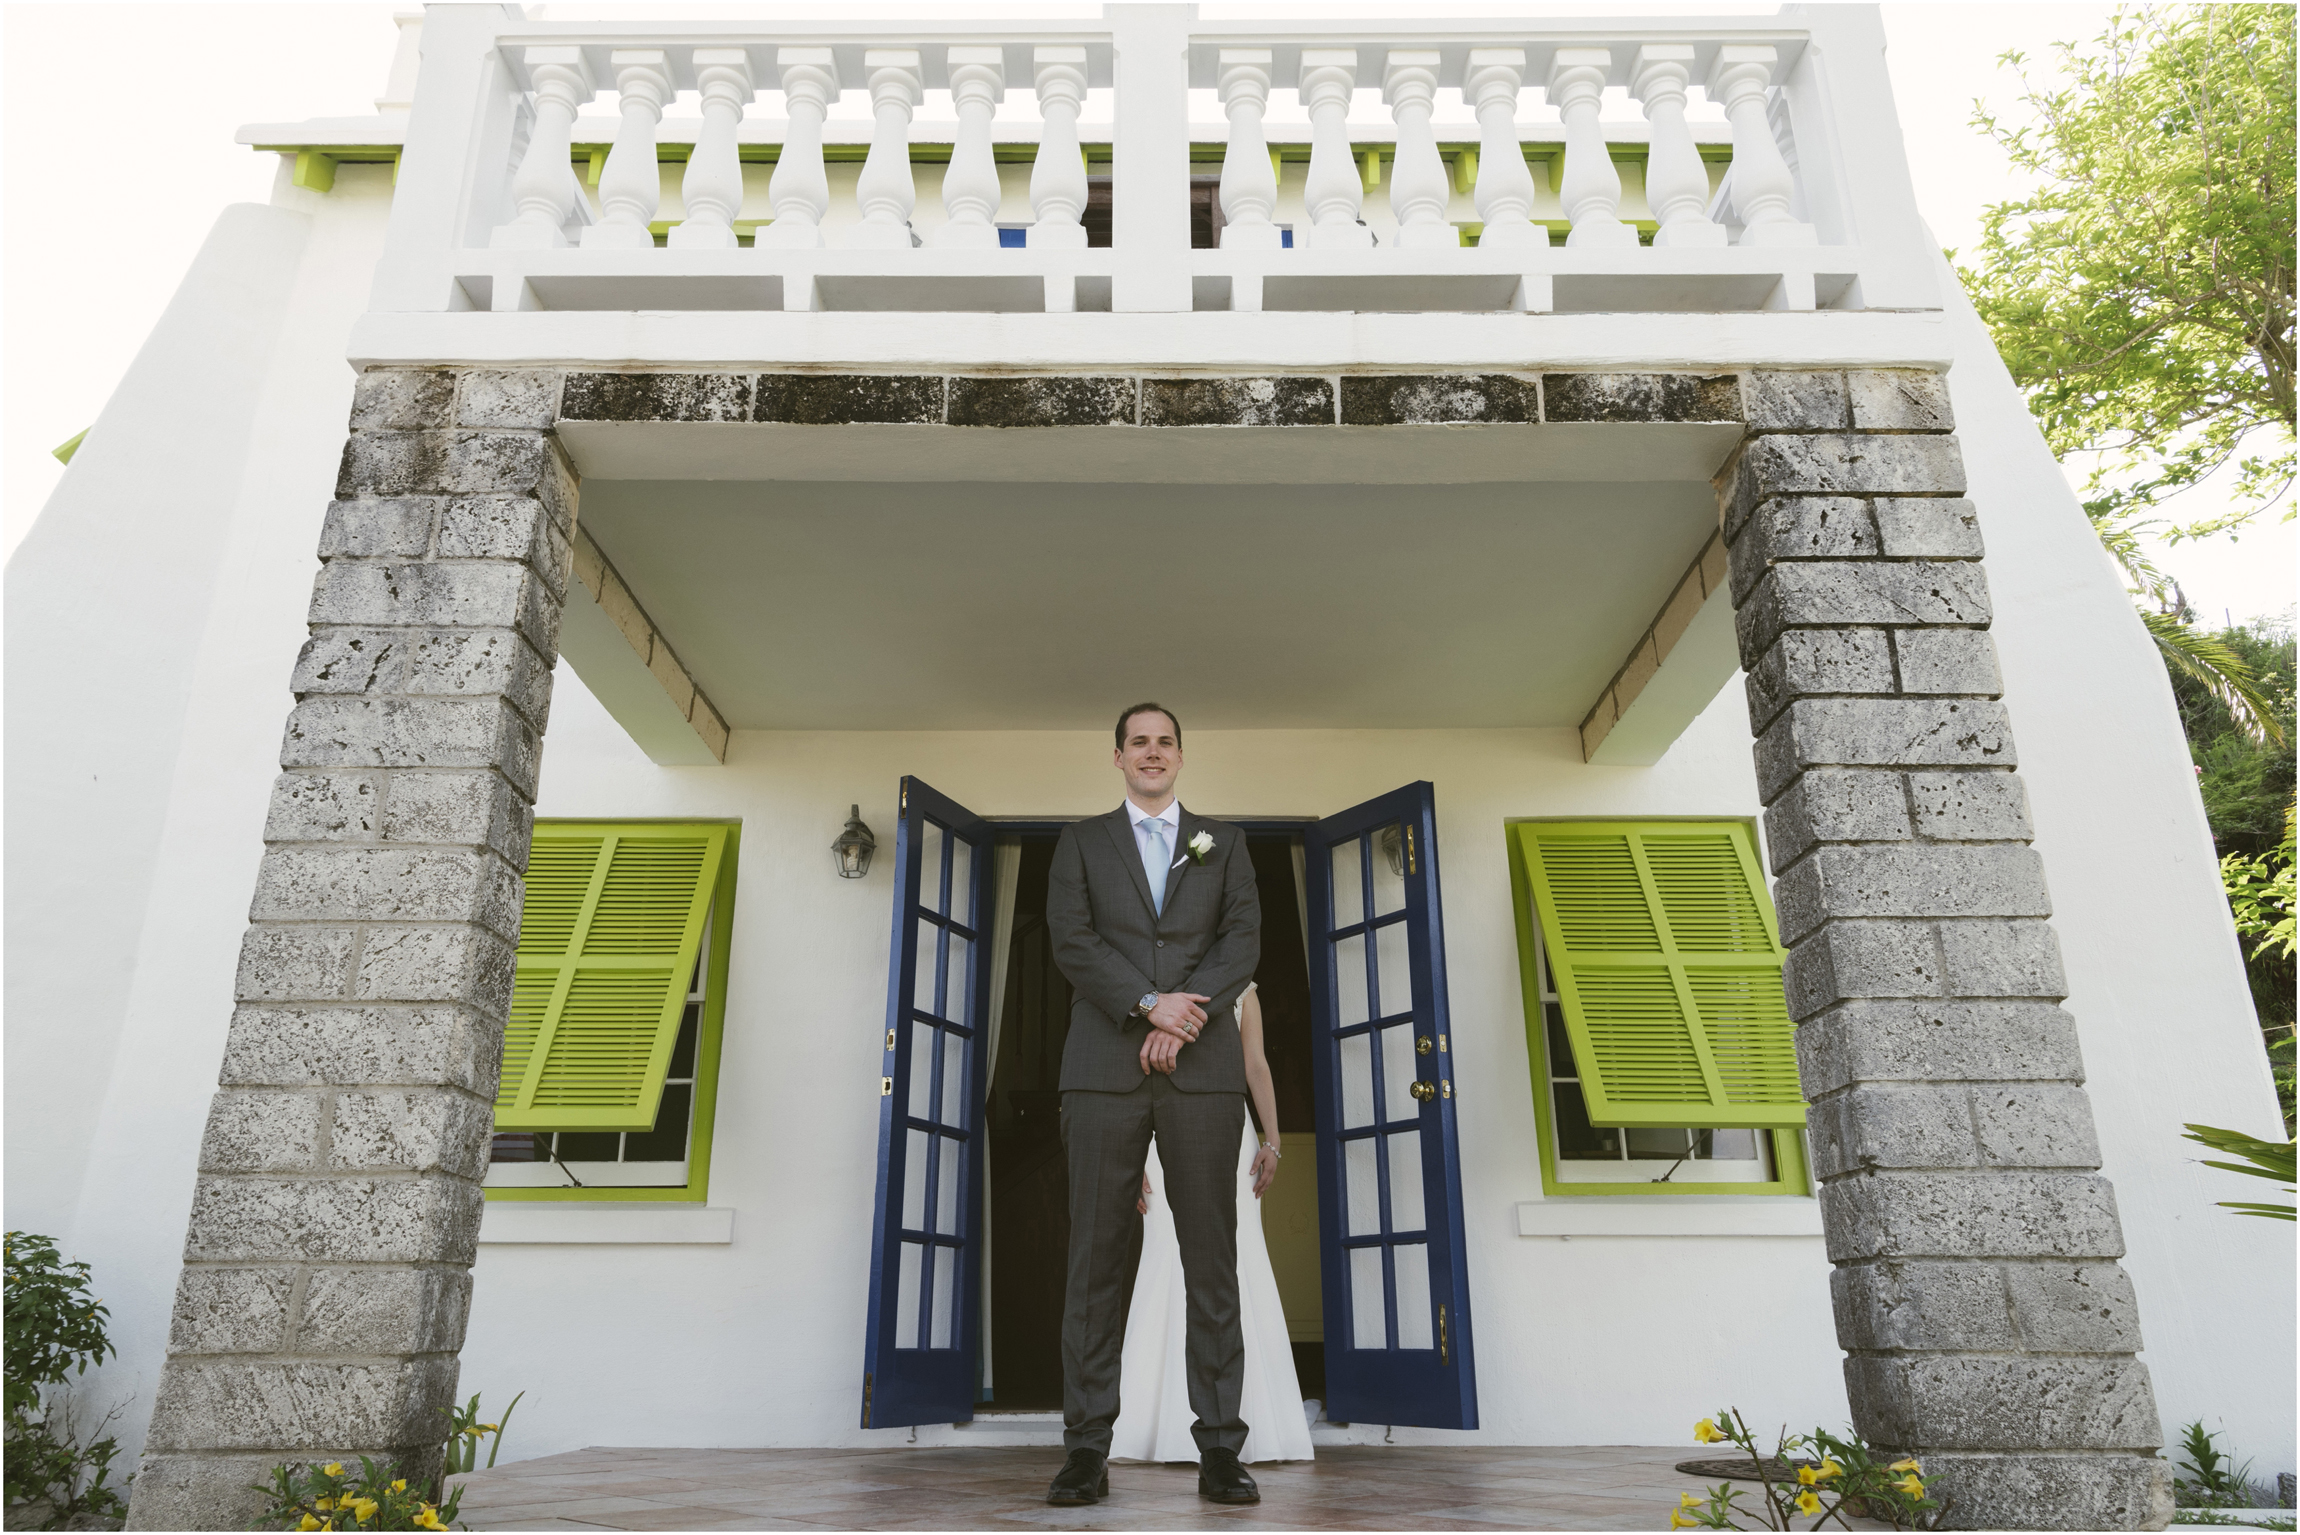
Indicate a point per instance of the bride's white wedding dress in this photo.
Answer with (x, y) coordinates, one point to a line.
(1154, 1415)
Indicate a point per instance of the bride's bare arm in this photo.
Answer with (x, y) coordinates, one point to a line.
(1258, 1083)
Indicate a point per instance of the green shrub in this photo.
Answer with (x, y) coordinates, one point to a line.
(55, 1329)
(302, 1497)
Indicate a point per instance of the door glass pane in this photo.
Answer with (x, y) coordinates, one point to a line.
(922, 1038)
(945, 1293)
(1357, 1072)
(962, 882)
(906, 1299)
(954, 992)
(1406, 1211)
(1349, 884)
(930, 867)
(914, 1181)
(1395, 971)
(954, 1080)
(923, 994)
(1398, 1074)
(1368, 1327)
(1389, 871)
(946, 1198)
(1417, 1319)
(1361, 1192)
(1350, 981)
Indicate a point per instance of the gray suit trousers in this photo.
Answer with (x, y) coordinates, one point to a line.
(1107, 1137)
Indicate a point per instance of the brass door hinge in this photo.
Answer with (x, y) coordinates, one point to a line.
(1445, 1348)
(886, 1087)
(1409, 849)
(866, 1399)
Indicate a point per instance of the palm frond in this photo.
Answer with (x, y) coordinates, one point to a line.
(2220, 670)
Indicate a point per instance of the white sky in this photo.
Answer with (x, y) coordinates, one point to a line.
(105, 195)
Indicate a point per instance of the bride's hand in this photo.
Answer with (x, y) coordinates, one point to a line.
(1265, 1169)
(1142, 1205)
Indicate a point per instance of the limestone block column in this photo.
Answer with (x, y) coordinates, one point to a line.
(327, 1267)
(1986, 1323)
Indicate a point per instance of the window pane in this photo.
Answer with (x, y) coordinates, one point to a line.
(946, 1199)
(930, 867)
(1417, 1318)
(667, 1142)
(922, 1051)
(914, 1181)
(1729, 1145)
(1659, 1143)
(1577, 1139)
(955, 995)
(906, 1298)
(1361, 1191)
(1398, 1101)
(1561, 1063)
(945, 1297)
(589, 1145)
(925, 996)
(1389, 870)
(1350, 981)
(683, 1053)
(1368, 1327)
(1406, 1211)
(1349, 884)
(1357, 1069)
(1396, 972)
(962, 882)
(954, 1080)
(516, 1148)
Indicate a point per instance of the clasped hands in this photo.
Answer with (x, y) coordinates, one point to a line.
(1177, 1019)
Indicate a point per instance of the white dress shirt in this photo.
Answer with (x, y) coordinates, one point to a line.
(1156, 864)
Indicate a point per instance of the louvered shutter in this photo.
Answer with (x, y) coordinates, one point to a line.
(608, 940)
(1667, 962)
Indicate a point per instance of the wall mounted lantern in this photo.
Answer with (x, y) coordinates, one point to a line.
(854, 846)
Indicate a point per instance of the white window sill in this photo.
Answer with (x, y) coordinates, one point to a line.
(587, 1222)
(1756, 1215)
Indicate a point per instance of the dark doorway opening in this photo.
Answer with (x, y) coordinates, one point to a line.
(1029, 1219)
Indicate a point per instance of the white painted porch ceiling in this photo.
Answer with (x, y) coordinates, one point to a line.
(862, 605)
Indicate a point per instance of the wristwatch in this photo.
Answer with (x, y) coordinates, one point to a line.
(1149, 1001)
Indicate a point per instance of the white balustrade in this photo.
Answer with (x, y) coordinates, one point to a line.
(631, 186)
(713, 186)
(1249, 170)
(1334, 190)
(799, 192)
(970, 190)
(1504, 192)
(1762, 184)
(543, 188)
(885, 189)
(1418, 190)
(1058, 176)
(1676, 182)
(1590, 187)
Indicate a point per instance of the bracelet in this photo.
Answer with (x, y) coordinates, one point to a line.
(1272, 1149)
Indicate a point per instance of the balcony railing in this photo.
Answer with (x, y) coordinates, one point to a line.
(507, 201)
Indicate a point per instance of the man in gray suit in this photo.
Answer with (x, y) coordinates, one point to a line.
(1155, 921)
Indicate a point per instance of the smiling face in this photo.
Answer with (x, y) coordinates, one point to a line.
(1150, 758)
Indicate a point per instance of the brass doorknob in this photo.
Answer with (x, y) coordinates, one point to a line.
(1423, 1091)
(1423, 1045)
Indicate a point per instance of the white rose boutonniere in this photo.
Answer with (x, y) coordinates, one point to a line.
(1200, 846)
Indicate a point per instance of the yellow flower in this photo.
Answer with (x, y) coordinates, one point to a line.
(1807, 1503)
(1807, 1475)
(400, 1485)
(1904, 1465)
(364, 1507)
(1912, 1486)
(428, 1520)
(1705, 1431)
(332, 1468)
(1678, 1521)
(1829, 1468)
(309, 1523)
(1688, 1501)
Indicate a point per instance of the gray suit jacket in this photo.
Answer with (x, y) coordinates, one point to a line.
(1113, 947)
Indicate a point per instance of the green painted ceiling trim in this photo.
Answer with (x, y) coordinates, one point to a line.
(63, 451)
(315, 172)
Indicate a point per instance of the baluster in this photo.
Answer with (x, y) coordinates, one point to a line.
(1249, 170)
(1762, 184)
(544, 185)
(885, 190)
(798, 191)
(1676, 182)
(1418, 190)
(1504, 194)
(1058, 176)
(632, 184)
(970, 191)
(1590, 187)
(713, 188)
(1334, 189)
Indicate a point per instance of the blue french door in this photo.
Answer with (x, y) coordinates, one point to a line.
(925, 1275)
(1389, 1165)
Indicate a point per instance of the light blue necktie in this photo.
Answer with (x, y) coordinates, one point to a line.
(1157, 830)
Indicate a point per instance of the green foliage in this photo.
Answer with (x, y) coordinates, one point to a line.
(1840, 1479)
(325, 1497)
(2142, 294)
(55, 1330)
(2204, 1478)
(2272, 1160)
(465, 1431)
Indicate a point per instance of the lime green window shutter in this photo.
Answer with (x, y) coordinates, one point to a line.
(608, 940)
(1667, 962)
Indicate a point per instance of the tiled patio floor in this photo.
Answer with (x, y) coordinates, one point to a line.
(998, 1488)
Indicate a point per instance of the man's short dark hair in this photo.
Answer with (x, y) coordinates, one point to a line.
(1134, 709)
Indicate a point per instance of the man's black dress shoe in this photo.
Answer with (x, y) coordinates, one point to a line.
(1222, 1479)
(1084, 1478)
